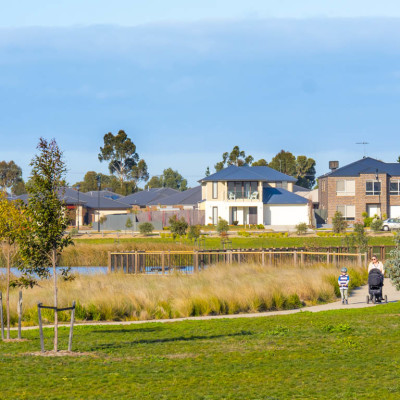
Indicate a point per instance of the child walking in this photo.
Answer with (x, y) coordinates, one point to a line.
(343, 282)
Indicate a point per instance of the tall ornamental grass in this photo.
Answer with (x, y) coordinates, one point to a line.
(221, 289)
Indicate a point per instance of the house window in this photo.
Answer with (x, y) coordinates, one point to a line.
(345, 187)
(395, 187)
(215, 190)
(372, 188)
(348, 212)
(215, 215)
(243, 190)
(283, 185)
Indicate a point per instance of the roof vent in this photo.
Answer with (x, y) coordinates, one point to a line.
(333, 165)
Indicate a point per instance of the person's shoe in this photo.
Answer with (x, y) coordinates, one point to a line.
(342, 301)
(347, 302)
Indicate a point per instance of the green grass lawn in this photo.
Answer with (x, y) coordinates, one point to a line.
(345, 354)
(243, 242)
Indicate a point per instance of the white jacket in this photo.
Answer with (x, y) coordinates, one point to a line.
(377, 265)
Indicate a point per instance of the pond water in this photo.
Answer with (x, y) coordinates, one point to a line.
(103, 270)
(75, 270)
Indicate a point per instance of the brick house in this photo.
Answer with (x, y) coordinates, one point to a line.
(367, 185)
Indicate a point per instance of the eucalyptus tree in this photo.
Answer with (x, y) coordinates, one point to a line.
(124, 161)
(44, 235)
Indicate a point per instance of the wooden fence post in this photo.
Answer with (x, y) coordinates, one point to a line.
(270, 257)
(302, 256)
(40, 327)
(19, 308)
(71, 329)
(109, 262)
(1, 316)
(263, 257)
(196, 261)
(328, 257)
(136, 262)
(163, 262)
(334, 259)
(366, 259)
(295, 257)
(359, 259)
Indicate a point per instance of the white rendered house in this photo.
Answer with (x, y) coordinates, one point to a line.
(252, 195)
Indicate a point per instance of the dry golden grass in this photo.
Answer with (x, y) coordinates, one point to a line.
(221, 289)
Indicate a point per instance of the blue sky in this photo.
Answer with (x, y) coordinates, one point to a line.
(189, 80)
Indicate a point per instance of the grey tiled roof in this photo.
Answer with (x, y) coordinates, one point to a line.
(366, 165)
(234, 173)
(281, 196)
(70, 196)
(188, 197)
(144, 197)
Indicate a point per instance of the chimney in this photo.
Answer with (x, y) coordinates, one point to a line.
(333, 165)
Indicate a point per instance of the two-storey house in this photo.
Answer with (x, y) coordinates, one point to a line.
(367, 185)
(252, 195)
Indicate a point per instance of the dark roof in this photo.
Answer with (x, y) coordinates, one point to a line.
(188, 197)
(234, 173)
(105, 193)
(70, 196)
(297, 188)
(144, 197)
(281, 196)
(366, 165)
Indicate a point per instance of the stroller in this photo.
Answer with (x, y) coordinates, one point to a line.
(375, 283)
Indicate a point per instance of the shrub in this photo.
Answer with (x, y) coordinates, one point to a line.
(74, 231)
(128, 224)
(361, 239)
(235, 223)
(393, 263)
(301, 229)
(177, 226)
(260, 226)
(376, 224)
(145, 228)
(222, 226)
(194, 232)
(367, 221)
(339, 223)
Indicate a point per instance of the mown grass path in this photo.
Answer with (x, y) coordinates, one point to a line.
(337, 354)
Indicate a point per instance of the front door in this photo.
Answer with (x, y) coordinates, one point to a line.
(253, 215)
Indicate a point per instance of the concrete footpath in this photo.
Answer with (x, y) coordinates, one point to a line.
(356, 300)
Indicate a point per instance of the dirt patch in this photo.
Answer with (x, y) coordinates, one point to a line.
(180, 356)
(62, 353)
(14, 340)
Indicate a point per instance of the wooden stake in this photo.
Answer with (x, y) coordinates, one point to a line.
(1, 316)
(19, 307)
(40, 327)
(71, 329)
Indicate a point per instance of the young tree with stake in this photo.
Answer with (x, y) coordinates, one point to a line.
(47, 219)
(11, 216)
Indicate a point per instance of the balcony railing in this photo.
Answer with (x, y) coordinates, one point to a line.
(239, 195)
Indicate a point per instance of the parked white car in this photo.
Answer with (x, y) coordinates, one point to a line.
(391, 223)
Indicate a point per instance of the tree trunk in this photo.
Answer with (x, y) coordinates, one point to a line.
(8, 293)
(54, 259)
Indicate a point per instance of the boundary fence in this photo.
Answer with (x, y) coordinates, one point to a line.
(164, 262)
